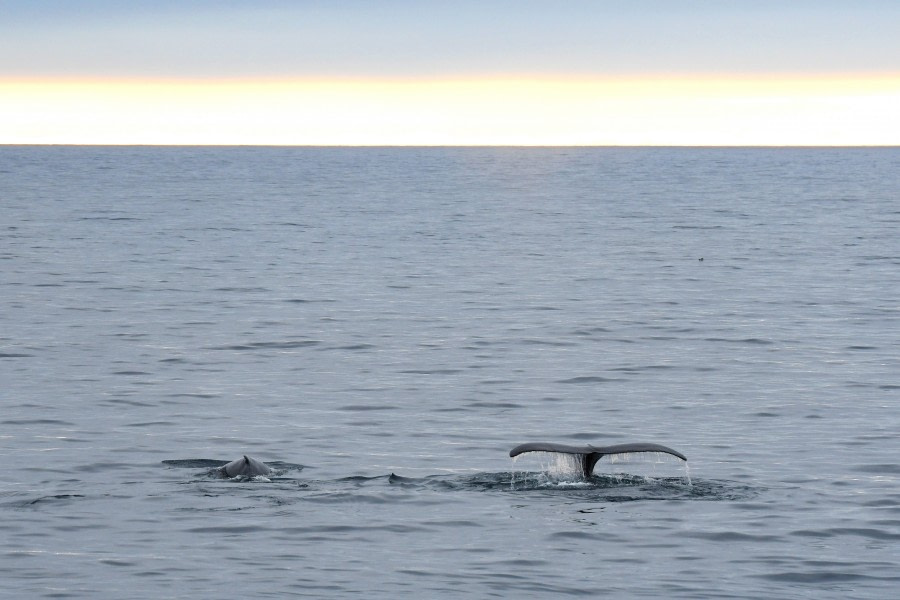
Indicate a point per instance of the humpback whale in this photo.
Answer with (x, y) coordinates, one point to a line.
(246, 466)
(589, 455)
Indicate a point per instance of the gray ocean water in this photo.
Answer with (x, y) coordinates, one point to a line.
(383, 325)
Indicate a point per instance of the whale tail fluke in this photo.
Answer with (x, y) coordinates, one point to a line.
(589, 455)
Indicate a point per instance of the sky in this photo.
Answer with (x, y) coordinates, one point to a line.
(462, 72)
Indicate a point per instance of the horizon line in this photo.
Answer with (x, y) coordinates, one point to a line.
(474, 146)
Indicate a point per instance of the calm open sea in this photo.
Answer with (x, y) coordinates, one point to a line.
(382, 325)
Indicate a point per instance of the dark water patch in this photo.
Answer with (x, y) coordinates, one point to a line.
(766, 414)
(352, 347)
(482, 404)
(126, 402)
(53, 499)
(880, 469)
(588, 379)
(366, 407)
(89, 308)
(729, 536)
(128, 336)
(242, 289)
(117, 562)
(579, 535)
(862, 348)
(454, 523)
(821, 577)
(883, 503)
(432, 371)
(552, 343)
(880, 257)
(368, 424)
(232, 530)
(643, 368)
(36, 422)
(152, 424)
(289, 345)
(869, 533)
(752, 341)
(360, 531)
(595, 435)
(102, 467)
(886, 522)
(878, 437)
(308, 301)
(110, 219)
(589, 331)
(14, 355)
(204, 396)
(131, 373)
(333, 497)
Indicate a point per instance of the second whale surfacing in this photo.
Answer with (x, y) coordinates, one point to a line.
(245, 467)
(589, 455)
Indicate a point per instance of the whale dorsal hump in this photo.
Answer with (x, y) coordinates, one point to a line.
(246, 466)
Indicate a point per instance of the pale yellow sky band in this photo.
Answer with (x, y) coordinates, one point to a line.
(688, 110)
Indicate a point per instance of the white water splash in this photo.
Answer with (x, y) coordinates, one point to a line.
(553, 466)
(559, 468)
(512, 473)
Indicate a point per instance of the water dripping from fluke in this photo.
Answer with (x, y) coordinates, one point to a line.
(563, 462)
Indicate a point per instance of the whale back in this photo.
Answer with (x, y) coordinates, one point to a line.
(246, 467)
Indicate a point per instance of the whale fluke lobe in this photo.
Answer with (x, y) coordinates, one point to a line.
(245, 466)
(589, 455)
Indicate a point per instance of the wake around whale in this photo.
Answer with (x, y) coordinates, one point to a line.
(245, 467)
(588, 455)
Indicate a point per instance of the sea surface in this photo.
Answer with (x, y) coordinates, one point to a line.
(382, 325)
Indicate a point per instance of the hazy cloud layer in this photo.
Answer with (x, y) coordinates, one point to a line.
(445, 39)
